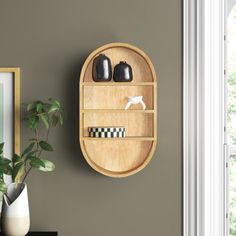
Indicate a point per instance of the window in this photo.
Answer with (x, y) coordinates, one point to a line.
(204, 181)
(231, 115)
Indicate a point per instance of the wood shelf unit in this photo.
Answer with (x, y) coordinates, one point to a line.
(102, 104)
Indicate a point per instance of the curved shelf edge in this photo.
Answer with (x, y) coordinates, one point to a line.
(116, 174)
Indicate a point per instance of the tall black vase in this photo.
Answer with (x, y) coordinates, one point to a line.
(123, 72)
(102, 70)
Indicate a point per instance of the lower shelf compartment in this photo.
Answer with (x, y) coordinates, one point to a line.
(117, 158)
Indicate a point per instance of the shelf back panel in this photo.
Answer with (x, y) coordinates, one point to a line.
(118, 156)
(140, 68)
(136, 124)
(104, 97)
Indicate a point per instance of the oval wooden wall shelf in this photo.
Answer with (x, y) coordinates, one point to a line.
(102, 104)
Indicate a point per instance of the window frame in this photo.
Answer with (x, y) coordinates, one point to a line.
(204, 149)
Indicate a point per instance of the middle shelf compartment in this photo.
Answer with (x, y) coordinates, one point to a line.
(136, 124)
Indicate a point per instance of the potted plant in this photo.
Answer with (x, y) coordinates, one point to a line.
(41, 117)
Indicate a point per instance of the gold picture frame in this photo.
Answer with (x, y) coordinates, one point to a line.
(12, 87)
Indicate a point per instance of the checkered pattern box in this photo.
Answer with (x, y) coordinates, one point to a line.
(106, 132)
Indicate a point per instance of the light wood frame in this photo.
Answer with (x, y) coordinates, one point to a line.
(16, 100)
(138, 149)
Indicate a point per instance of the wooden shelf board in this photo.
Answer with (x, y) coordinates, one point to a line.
(116, 111)
(118, 83)
(120, 139)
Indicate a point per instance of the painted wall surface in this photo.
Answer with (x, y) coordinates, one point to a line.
(50, 40)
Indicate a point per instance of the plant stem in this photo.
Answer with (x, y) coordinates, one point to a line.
(26, 174)
(47, 135)
(39, 153)
(37, 137)
(36, 134)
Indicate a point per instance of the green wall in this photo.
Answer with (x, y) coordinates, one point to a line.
(49, 41)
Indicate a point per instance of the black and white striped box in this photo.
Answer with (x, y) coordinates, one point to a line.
(106, 132)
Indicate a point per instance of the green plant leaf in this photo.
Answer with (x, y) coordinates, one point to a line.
(49, 166)
(16, 158)
(45, 146)
(39, 107)
(1, 147)
(30, 154)
(53, 108)
(36, 162)
(44, 117)
(3, 187)
(55, 105)
(18, 171)
(4, 161)
(28, 149)
(54, 120)
(33, 121)
(6, 169)
(54, 101)
(61, 119)
(31, 106)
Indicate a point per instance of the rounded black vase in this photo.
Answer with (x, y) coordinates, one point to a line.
(123, 72)
(102, 70)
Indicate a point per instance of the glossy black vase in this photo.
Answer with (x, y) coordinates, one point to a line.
(102, 70)
(123, 72)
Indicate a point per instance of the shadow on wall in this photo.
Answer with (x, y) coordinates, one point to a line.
(71, 103)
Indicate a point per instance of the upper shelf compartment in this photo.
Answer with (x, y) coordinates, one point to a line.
(142, 71)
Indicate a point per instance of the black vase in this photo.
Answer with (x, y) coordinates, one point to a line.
(123, 72)
(102, 70)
